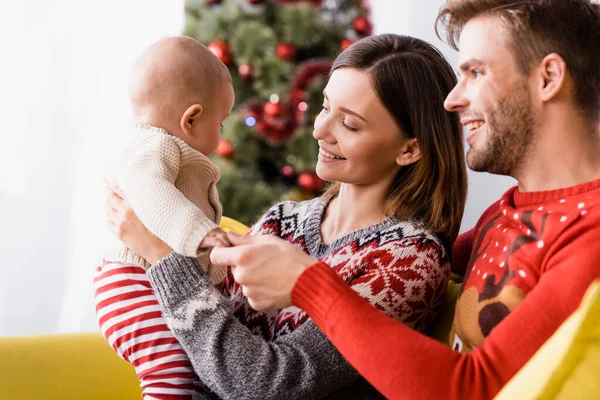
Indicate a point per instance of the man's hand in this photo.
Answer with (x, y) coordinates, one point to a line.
(267, 267)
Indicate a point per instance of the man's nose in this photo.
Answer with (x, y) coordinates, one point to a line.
(456, 99)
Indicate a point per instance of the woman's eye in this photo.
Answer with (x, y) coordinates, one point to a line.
(476, 73)
(350, 128)
(324, 108)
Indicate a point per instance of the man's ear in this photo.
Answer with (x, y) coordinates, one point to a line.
(190, 118)
(409, 153)
(552, 76)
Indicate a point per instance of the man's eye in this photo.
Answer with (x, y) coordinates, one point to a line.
(476, 73)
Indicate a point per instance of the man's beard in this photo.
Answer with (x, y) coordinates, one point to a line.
(510, 133)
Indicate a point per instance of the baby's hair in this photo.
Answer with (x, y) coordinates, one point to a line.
(176, 70)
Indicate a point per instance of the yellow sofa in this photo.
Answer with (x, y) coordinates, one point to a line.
(64, 367)
(83, 367)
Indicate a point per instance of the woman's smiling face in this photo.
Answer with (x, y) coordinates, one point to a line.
(359, 140)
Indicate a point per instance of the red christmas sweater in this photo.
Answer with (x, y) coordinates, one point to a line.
(527, 264)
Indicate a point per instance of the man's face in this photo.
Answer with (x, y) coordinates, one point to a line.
(493, 100)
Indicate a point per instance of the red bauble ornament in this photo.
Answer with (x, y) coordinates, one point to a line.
(346, 43)
(276, 132)
(255, 109)
(286, 51)
(225, 149)
(246, 71)
(272, 109)
(288, 171)
(310, 181)
(362, 26)
(275, 129)
(256, 1)
(221, 49)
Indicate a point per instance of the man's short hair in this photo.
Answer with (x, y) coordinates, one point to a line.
(569, 28)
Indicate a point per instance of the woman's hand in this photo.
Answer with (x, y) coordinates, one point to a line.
(128, 228)
(267, 267)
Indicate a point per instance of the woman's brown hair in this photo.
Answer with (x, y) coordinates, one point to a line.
(412, 80)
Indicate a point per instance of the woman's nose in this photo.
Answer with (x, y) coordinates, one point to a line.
(321, 129)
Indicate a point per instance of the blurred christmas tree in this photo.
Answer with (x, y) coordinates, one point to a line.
(279, 53)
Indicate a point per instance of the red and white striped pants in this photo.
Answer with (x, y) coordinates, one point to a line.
(132, 323)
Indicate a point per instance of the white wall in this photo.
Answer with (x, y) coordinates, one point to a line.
(416, 18)
(63, 85)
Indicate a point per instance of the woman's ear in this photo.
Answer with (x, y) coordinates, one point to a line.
(409, 153)
(190, 118)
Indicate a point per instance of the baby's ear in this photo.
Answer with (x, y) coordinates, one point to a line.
(190, 118)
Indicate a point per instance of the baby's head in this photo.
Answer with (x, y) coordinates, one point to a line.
(181, 86)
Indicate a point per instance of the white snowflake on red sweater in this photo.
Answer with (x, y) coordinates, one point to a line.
(398, 266)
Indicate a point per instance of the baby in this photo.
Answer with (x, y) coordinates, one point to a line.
(180, 94)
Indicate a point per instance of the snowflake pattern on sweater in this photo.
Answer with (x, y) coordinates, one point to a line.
(398, 266)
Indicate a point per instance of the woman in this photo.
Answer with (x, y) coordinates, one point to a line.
(385, 226)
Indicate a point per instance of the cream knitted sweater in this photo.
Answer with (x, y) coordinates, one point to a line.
(171, 188)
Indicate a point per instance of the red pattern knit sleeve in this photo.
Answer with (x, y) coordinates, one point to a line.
(404, 364)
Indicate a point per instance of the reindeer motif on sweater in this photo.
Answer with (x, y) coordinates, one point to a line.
(515, 238)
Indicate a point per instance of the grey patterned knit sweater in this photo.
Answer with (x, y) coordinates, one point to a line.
(239, 353)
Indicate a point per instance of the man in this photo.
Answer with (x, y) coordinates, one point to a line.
(529, 95)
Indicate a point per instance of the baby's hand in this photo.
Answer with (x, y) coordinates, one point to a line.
(214, 238)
